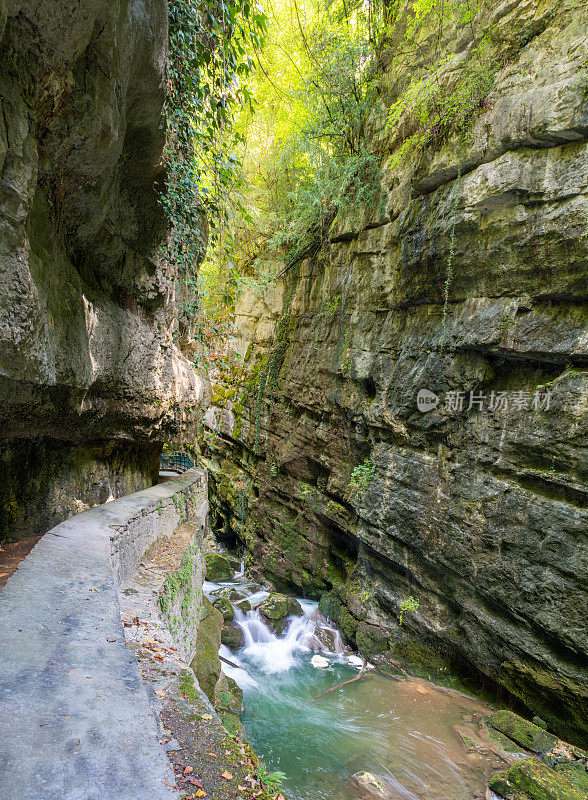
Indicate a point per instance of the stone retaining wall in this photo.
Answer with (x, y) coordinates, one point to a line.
(75, 719)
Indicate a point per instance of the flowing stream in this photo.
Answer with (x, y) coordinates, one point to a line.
(400, 730)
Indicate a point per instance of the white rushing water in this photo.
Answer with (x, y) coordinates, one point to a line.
(272, 653)
(402, 731)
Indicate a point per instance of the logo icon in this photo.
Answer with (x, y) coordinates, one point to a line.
(426, 401)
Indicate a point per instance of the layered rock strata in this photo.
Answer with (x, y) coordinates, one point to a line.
(451, 534)
(90, 381)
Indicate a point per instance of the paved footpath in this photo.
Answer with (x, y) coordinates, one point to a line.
(75, 720)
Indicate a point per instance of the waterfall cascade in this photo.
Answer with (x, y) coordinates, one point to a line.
(306, 716)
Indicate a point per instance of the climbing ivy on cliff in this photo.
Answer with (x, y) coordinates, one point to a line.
(210, 42)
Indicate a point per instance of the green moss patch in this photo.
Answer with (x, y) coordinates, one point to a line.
(530, 736)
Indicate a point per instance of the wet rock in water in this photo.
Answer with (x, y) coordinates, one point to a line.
(244, 605)
(278, 606)
(319, 662)
(230, 593)
(470, 741)
(218, 568)
(355, 661)
(521, 731)
(225, 608)
(232, 636)
(328, 638)
(533, 780)
(234, 562)
(372, 785)
(206, 663)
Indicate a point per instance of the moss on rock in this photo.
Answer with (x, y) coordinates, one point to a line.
(218, 568)
(533, 779)
(225, 608)
(278, 606)
(206, 663)
(521, 731)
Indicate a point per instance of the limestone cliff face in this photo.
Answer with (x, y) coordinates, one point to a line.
(477, 513)
(90, 381)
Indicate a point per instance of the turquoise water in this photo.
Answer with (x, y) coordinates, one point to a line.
(400, 730)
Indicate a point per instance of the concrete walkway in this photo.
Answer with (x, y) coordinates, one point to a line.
(75, 721)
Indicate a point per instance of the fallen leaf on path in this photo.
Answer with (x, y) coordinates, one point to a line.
(207, 716)
(200, 793)
(188, 770)
(160, 693)
(227, 775)
(111, 640)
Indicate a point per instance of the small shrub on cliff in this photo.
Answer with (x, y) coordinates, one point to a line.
(361, 477)
(408, 606)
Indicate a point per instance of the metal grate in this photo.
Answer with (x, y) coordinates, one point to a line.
(177, 461)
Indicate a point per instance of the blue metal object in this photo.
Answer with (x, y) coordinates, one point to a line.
(177, 461)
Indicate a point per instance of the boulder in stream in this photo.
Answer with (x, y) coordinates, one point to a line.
(244, 605)
(206, 663)
(371, 785)
(276, 608)
(225, 608)
(279, 606)
(232, 636)
(533, 779)
(218, 568)
(229, 592)
(524, 733)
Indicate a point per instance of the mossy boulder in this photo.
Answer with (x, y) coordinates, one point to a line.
(206, 663)
(371, 785)
(218, 568)
(232, 636)
(278, 606)
(524, 733)
(229, 592)
(244, 605)
(575, 772)
(225, 608)
(534, 780)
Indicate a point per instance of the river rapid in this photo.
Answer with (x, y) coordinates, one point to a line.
(401, 730)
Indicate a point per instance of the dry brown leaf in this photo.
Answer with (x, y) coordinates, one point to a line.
(200, 793)
(188, 770)
(227, 776)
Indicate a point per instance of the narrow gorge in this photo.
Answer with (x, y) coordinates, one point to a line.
(294, 400)
(475, 506)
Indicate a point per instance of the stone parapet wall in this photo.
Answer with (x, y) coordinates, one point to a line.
(75, 720)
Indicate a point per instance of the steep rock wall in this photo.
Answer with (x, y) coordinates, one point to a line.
(90, 381)
(478, 514)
